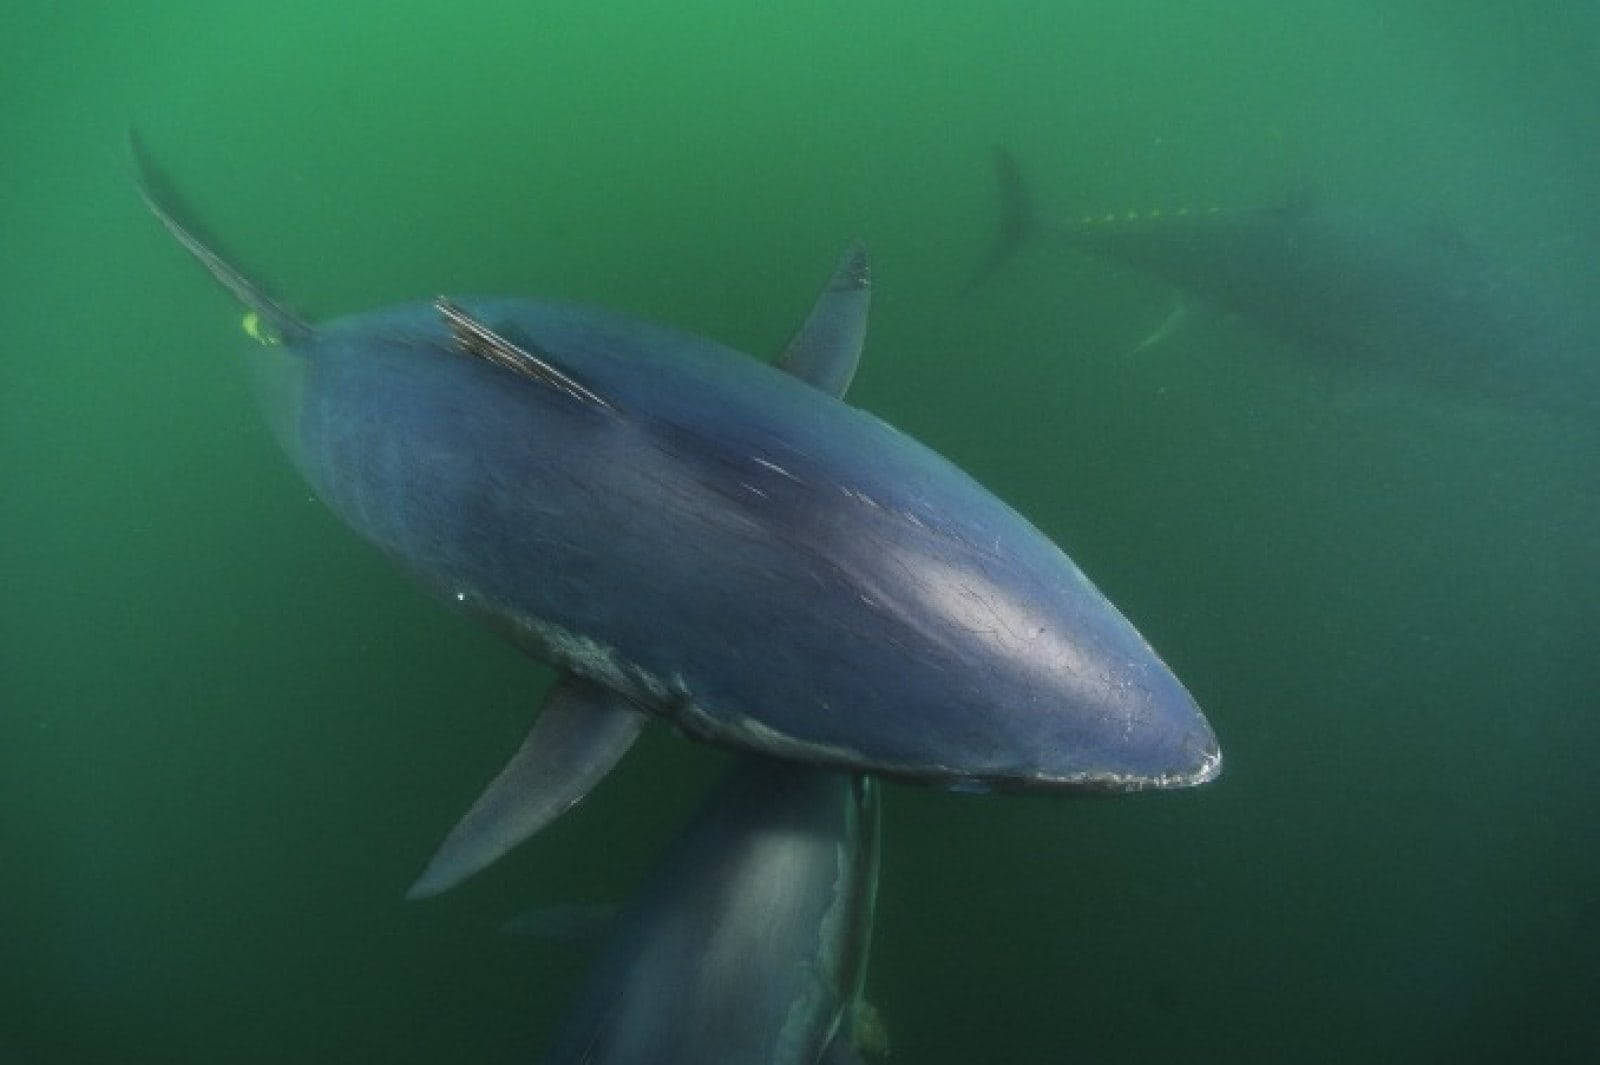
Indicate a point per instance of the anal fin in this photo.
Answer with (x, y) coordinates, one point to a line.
(583, 731)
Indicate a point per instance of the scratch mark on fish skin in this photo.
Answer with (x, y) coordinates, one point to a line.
(774, 467)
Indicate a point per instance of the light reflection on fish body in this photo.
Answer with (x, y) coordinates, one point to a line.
(748, 940)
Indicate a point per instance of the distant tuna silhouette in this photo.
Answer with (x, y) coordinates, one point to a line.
(1390, 291)
(686, 532)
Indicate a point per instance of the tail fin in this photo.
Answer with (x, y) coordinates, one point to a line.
(158, 197)
(1016, 217)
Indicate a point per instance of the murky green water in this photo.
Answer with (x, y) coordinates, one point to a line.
(231, 734)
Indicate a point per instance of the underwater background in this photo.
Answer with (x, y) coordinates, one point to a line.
(231, 734)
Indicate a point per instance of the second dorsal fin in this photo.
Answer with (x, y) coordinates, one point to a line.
(474, 338)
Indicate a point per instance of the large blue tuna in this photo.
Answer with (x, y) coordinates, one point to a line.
(688, 532)
(748, 941)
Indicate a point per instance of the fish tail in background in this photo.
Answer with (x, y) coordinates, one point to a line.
(280, 324)
(1016, 217)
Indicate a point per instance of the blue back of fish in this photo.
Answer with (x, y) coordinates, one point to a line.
(764, 564)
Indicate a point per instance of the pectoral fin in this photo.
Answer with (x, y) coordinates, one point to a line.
(582, 732)
(827, 348)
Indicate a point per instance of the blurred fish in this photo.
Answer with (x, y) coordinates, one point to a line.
(1399, 292)
(687, 532)
(748, 940)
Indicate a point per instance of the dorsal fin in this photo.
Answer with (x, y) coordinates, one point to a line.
(474, 338)
(825, 351)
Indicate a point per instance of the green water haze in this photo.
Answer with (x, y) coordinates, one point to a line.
(231, 734)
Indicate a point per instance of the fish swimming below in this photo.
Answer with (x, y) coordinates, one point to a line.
(748, 941)
(1392, 294)
(688, 533)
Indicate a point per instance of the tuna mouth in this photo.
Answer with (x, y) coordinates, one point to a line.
(1203, 765)
(1208, 770)
(1204, 768)
(1210, 767)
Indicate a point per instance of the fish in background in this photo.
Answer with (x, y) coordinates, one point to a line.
(747, 941)
(1394, 294)
(686, 532)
